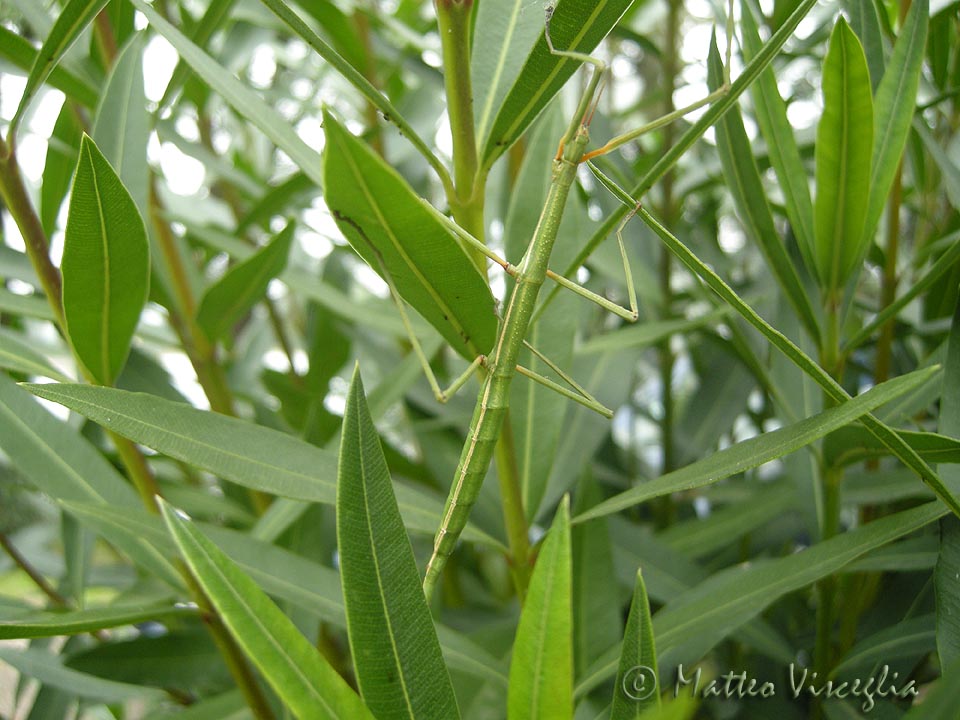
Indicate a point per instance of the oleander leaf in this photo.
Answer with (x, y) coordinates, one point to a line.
(71, 21)
(250, 455)
(106, 266)
(761, 448)
(636, 688)
(73, 622)
(396, 655)
(295, 669)
(122, 125)
(894, 107)
(541, 669)
(946, 576)
(577, 26)
(771, 114)
(843, 158)
(243, 286)
(49, 670)
(743, 178)
(398, 233)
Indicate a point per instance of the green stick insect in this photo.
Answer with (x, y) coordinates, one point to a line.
(499, 365)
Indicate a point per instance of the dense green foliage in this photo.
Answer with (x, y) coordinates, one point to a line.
(223, 465)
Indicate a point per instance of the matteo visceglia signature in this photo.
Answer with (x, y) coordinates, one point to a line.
(640, 683)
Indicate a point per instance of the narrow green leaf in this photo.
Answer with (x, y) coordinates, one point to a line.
(276, 200)
(299, 674)
(771, 114)
(743, 179)
(578, 26)
(701, 617)
(49, 670)
(944, 264)
(18, 51)
(58, 461)
(250, 455)
(698, 537)
(866, 24)
(214, 17)
(843, 159)
(396, 655)
(309, 586)
(184, 657)
(74, 622)
(73, 18)
(949, 168)
(645, 334)
(17, 354)
(106, 266)
(33, 306)
(53, 456)
(710, 613)
(541, 669)
(243, 286)
(510, 29)
(597, 623)
(364, 86)
(398, 233)
(913, 639)
(636, 688)
(760, 449)
(799, 358)
(853, 444)
(77, 556)
(62, 150)
(244, 100)
(894, 107)
(947, 573)
(122, 125)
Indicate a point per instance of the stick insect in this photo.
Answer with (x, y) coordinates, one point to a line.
(500, 365)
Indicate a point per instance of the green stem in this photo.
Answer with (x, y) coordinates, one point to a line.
(232, 655)
(823, 651)
(514, 516)
(830, 481)
(453, 21)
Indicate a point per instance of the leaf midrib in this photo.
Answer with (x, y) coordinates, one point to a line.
(498, 72)
(442, 306)
(105, 364)
(381, 595)
(561, 62)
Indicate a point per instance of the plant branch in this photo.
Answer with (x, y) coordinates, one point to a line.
(18, 203)
(453, 19)
(39, 580)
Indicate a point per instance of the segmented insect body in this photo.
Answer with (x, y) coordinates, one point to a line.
(501, 364)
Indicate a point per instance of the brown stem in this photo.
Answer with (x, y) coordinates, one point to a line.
(18, 203)
(39, 580)
(106, 41)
